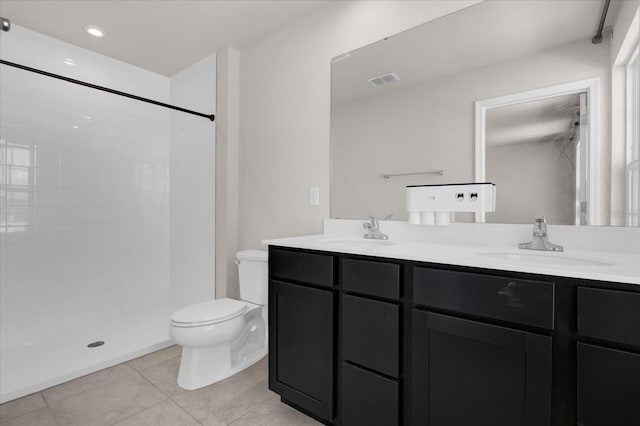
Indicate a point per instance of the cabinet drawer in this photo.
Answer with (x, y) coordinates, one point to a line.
(609, 315)
(311, 268)
(373, 278)
(370, 334)
(368, 399)
(608, 386)
(502, 298)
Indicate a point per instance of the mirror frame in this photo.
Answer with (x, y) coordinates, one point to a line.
(591, 87)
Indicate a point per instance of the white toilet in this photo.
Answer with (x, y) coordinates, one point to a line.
(223, 336)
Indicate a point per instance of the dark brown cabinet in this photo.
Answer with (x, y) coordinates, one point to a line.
(301, 335)
(608, 357)
(368, 398)
(359, 340)
(467, 372)
(370, 333)
(608, 386)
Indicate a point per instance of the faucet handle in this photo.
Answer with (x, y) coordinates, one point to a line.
(540, 227)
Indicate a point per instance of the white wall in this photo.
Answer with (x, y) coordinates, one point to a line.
(227, 171)
(192, 177)
(118, 217)
(89, 243)
(285, 110)
(534, 180)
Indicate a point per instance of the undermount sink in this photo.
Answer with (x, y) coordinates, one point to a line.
(555, 259)
(355, 242)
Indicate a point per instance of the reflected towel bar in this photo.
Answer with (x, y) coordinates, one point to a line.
(435, 172)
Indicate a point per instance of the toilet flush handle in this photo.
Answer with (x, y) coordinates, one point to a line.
(237, 261)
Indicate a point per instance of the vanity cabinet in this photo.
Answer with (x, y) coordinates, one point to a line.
(608, 357)
(468, 371)
(362, 340)
(370, 318)
(302, 331)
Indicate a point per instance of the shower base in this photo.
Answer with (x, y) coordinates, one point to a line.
(31, 368)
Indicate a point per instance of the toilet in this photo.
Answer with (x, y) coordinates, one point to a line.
(224, 336)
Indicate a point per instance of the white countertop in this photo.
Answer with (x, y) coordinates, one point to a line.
(605, 266)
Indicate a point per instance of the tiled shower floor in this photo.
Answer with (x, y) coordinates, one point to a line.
(144, 392)
(30, 368)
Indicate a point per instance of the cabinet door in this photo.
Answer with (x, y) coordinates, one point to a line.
(471, 373)
(608, 386)
(301, 342)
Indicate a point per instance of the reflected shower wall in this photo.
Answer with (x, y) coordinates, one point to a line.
(85, 214)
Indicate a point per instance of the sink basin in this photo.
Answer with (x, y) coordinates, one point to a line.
(555, 259)
(356, 242)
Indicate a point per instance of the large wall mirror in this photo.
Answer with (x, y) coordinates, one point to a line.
(513, 93)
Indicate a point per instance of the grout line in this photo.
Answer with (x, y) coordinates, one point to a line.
(110, 380)
(153, 365)
(170, 398)
(53, 413)
(136, 413)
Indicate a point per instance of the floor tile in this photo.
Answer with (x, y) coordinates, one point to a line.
(164, 376)
(21, 406)
(227, 400)
(156, 357)
(272, 412)
(86, 383)
(166, 413)
(107, 404)
(39, 417)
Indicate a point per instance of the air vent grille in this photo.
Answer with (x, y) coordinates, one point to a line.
(383, 79)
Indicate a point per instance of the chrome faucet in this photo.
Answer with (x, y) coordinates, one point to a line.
(374, 230)
(539, 241)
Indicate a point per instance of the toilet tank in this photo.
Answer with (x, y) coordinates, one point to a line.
(253, 275)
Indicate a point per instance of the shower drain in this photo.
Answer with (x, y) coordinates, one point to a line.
(95, 344)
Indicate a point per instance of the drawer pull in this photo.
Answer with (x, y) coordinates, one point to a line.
(512, 298)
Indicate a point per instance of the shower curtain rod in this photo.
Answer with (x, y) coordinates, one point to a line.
(597, 39)
(106, 89)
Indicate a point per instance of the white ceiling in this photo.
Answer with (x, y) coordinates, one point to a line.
(483, 34)
(164, 36)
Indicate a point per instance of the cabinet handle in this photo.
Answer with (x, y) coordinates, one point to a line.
(512, 299)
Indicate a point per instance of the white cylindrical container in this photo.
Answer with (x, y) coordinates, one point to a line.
(414, 218)
(442, 218)
(253, 274)
(428, 218)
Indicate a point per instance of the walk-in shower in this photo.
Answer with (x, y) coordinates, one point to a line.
(96, 192)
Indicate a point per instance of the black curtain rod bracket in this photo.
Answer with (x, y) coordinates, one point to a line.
(211, 117)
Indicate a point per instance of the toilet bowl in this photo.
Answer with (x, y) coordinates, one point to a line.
(224, 336)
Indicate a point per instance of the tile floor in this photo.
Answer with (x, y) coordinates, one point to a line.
(143, 392)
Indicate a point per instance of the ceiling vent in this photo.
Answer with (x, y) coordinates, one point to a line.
(383, 79)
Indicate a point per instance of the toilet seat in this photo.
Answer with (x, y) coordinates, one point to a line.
(207, 313)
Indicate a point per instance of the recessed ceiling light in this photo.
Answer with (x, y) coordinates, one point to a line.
(94, 31)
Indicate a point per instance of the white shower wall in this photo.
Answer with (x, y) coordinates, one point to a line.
(88, 210)
(192, 207)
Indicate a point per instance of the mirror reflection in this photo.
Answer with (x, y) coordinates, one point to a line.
(409, 105)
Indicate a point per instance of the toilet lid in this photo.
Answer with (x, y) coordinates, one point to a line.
(210, 312)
